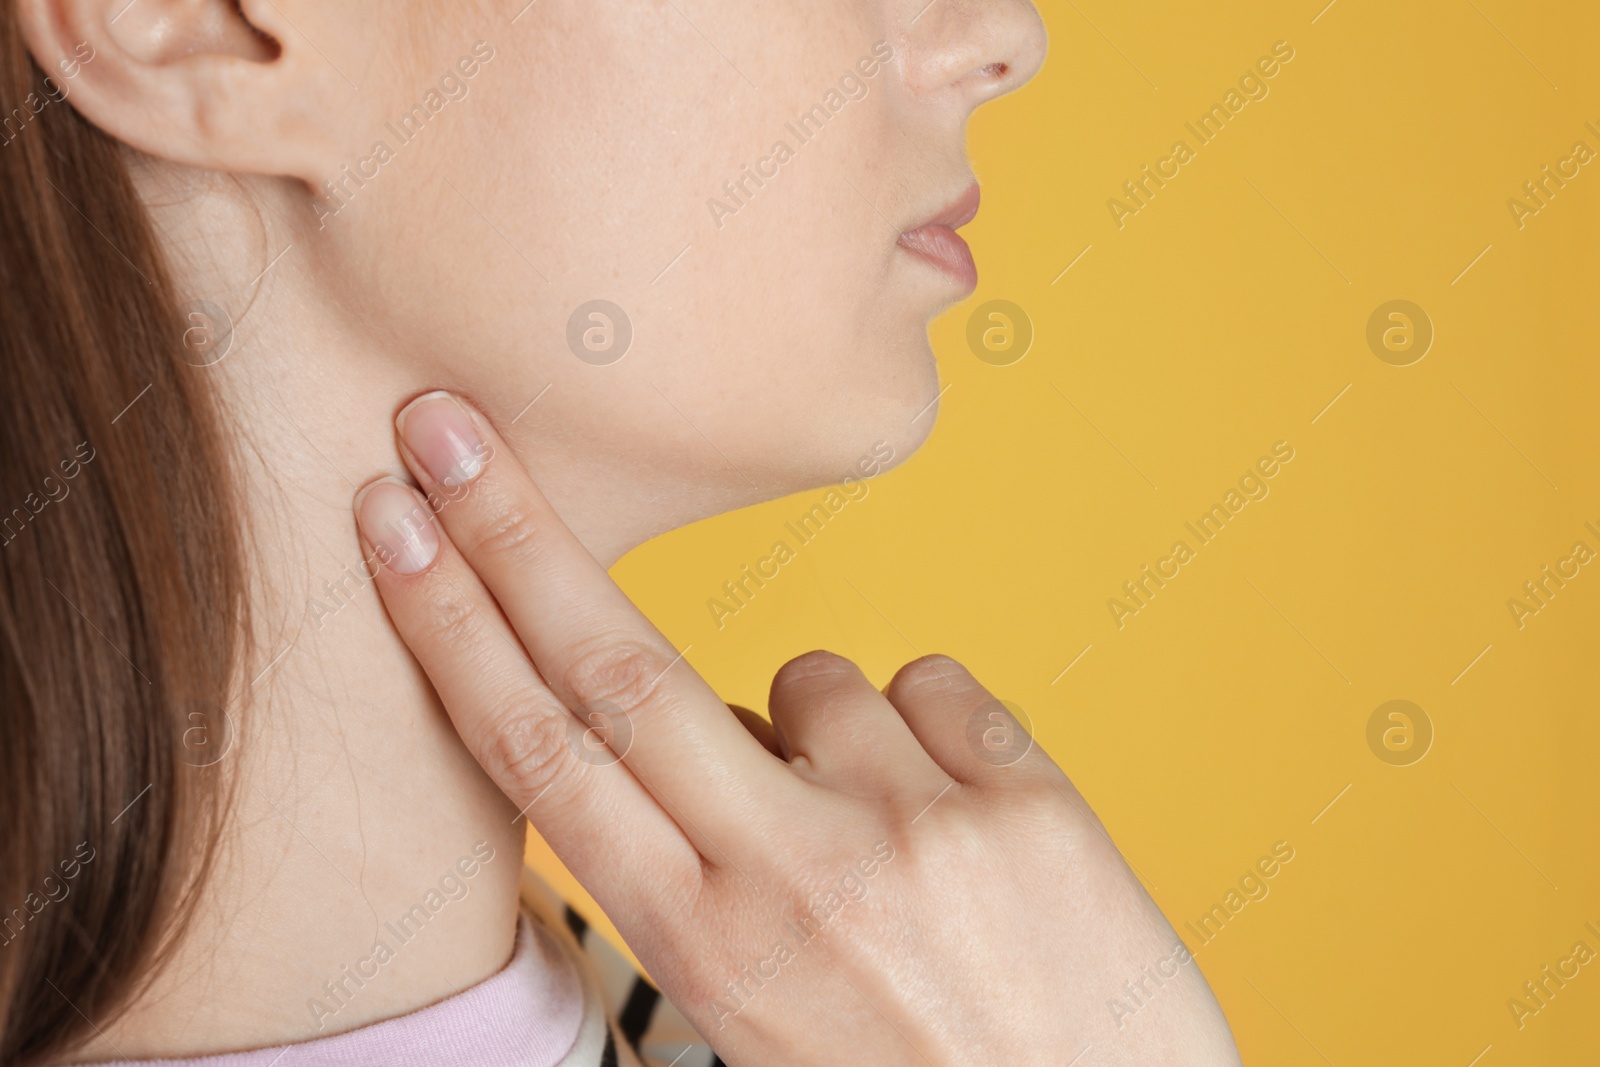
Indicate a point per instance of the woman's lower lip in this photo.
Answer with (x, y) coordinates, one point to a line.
(946, 250)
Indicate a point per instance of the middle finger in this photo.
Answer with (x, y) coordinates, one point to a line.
(587, 639)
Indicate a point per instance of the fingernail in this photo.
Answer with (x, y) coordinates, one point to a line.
(399, 524)
(442, 437)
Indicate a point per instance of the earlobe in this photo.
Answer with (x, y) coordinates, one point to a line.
(213, 84)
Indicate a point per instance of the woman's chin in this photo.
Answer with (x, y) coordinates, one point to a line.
(882, 429)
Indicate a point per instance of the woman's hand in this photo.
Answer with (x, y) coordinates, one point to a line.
(896, 877)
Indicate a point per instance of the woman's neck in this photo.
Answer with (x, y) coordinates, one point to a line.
(358, 811)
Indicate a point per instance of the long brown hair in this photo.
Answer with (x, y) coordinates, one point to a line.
(121, 580)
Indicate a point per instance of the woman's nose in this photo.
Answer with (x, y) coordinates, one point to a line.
(977, 49)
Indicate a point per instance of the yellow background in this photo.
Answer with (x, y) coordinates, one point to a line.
(1225, 316)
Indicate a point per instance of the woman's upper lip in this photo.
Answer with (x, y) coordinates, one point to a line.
(962, 210)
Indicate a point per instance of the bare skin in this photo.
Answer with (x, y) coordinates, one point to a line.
(901, 873)
(793, 334)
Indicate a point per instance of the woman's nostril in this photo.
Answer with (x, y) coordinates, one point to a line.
(996, 70)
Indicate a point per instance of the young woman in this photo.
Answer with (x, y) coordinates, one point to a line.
(272, 269)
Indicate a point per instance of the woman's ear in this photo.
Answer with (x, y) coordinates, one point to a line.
(225, 85)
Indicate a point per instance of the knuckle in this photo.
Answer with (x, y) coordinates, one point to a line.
(816, 664)
(960, 842)
(935, 671)
(525, 749)
(512, 532)
(624, 672)
(452, 622)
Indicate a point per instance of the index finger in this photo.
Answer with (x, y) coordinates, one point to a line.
(595, 649)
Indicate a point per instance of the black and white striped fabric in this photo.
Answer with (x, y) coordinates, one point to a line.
(632, 1024)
